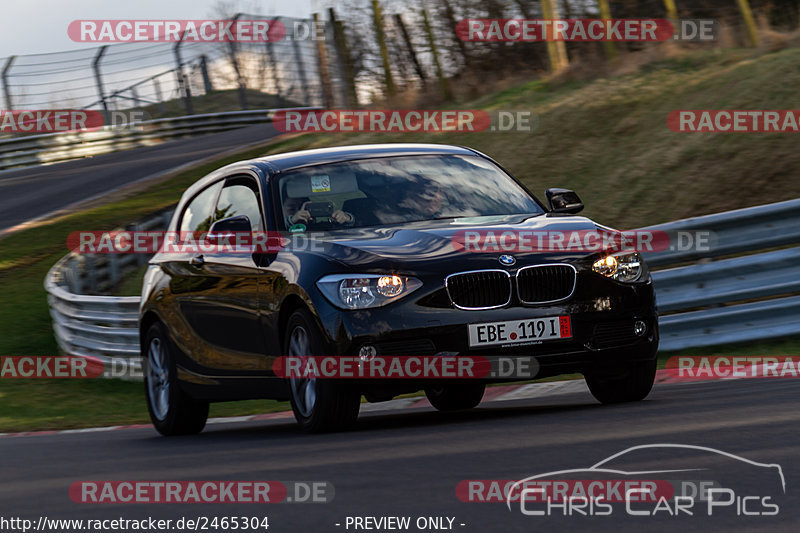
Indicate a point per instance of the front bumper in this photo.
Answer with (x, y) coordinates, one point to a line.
(602, 313)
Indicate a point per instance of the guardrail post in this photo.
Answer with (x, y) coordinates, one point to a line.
(6, 89)
(113, 269)
(88, 268)
(98, 78)
(73, 276)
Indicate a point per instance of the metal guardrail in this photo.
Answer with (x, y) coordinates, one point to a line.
(733, 232)
(706, 304)
(738, 279)
(100, 327)
(715, 296)
(65, 146)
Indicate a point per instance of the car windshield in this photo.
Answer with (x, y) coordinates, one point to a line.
(396, 190)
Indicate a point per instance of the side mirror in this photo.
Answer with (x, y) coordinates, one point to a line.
(563, 201)
(227, 228)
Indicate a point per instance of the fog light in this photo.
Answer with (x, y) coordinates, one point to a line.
(639, 328)
(367, 352)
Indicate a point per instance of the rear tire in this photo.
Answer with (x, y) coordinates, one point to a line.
(171, 410)
(456, 396)
(319, 405)
(632, 386)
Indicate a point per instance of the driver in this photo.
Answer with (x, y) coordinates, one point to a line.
(426, 201)
(296, 210)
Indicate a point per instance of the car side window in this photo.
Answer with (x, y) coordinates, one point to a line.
(196, 217)
(240, 197)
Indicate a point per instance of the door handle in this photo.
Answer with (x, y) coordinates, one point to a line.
(197, 260)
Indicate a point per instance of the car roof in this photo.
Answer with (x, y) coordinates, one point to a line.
(290, 160)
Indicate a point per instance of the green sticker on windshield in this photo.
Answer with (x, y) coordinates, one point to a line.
(297, 228)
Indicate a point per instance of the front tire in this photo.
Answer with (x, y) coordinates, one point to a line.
(319, 405)
(171, 410)
(632, 386)
(456, 396)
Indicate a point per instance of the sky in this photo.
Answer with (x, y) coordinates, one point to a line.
(40, 26)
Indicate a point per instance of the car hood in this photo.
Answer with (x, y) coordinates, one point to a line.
(436, 245)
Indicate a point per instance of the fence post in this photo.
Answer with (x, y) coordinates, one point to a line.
(672, 11)
(561, 46)
(6, 89)
(204, 71)
(274, 62)
(187, 101)
(749, 22)
(410, 47)
(451, 19)
(235, 62)
(322, 63)
(377, 17)
(605, 13)
(188, 90)
(136, 102)
(523, 9)
(159, 97)
(345, 63)
(443, 85)
(301, 69)
(98, 78)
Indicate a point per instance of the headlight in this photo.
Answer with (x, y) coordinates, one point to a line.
(362, 291)
(621, 266)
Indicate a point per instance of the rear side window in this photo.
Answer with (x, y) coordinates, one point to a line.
(240, 197)
(197, 215)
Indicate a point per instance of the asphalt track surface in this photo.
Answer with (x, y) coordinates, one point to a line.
(409, 462)
(29, 193)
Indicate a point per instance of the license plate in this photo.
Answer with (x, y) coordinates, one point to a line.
(520, 331)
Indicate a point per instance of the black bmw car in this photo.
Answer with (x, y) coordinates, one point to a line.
(375, 266)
